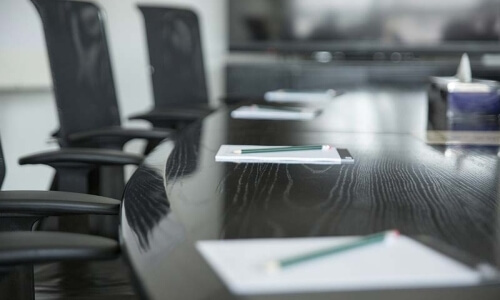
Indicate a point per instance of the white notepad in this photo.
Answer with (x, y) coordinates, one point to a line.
(267, 113)
(299, 95)
(226, 154)
(405, 263)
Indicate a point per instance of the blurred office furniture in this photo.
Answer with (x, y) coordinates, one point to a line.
(302, 45)
(363, 28)
(252, 77)
(177, 69)
(21, 212)
(83, 85)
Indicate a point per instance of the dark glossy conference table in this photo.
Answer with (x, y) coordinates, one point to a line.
(181, 195)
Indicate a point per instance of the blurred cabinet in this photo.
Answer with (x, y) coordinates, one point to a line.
(253, 79)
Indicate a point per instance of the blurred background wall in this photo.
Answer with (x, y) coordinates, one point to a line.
(27, 109)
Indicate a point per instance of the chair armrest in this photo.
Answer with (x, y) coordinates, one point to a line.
(117, 136)
(48, 203)
(24, 247)
(240, 99)
(79, 156)
(173, 114)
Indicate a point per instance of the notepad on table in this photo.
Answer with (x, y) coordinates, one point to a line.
(275, 113)
(404, 263)
(333, 155)
(286, 95)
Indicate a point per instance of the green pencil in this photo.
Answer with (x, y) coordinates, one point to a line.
(276, 265)
(283, 149)
(282, 108)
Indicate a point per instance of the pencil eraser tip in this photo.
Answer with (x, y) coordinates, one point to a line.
(391, 237)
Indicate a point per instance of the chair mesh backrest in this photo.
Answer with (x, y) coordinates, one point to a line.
(80, 65)
(2, 165)
(175, 55)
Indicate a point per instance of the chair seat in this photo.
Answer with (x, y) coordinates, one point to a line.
(26, 247)
(175, 113)
(56, 203)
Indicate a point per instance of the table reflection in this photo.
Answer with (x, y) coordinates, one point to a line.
(181, 195)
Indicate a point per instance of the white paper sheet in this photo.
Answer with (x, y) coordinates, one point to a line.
(404, 263)
(255, 112)
(226, 154)
(299, 95)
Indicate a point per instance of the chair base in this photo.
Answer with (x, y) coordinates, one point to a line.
(17, 283)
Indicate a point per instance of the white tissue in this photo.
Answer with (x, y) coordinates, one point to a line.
(464, 73)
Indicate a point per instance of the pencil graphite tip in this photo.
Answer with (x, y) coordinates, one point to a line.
(272, 266)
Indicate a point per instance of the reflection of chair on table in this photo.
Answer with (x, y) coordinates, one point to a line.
(144, 213)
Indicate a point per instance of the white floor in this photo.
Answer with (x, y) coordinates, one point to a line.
(26, 122)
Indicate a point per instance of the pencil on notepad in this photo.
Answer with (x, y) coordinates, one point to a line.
(276, 265)
(282, 108)
(283, 149)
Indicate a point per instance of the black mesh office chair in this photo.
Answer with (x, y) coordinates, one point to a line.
(84, 87)
(177, 70)
(81, 73)
(20, 212)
